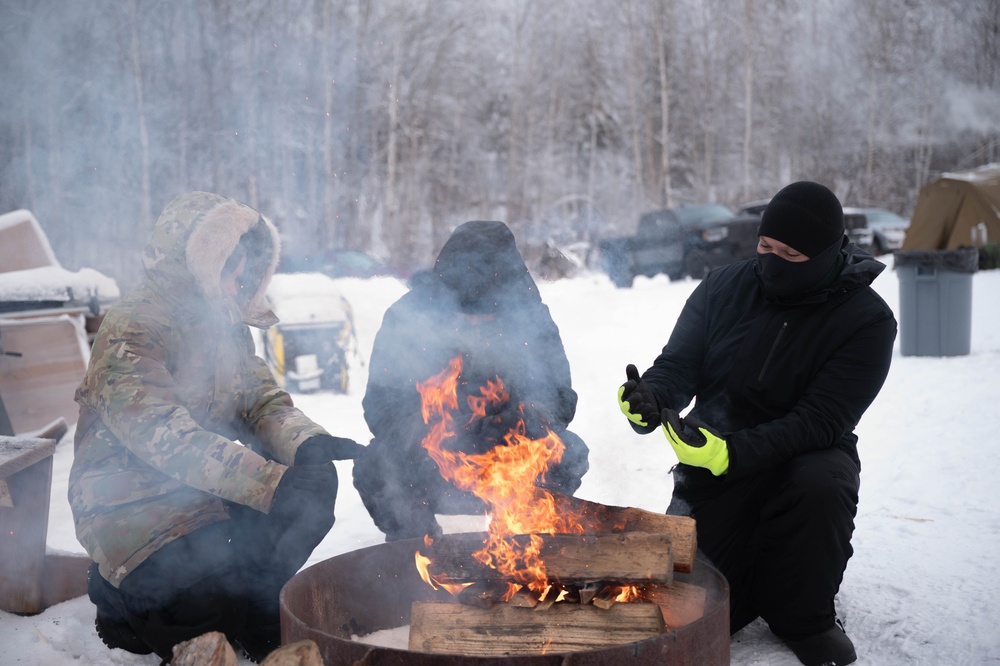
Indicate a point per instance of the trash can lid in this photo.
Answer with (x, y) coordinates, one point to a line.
(962, 260)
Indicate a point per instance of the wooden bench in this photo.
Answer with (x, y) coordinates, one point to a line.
(31, 579)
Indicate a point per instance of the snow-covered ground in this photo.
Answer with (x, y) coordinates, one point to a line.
(923, 586)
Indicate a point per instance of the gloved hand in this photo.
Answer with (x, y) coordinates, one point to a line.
(695, 442)
(538, 420)
(320, 449)
(637, 401)
(303, 490)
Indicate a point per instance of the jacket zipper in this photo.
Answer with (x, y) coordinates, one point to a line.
(774, 348)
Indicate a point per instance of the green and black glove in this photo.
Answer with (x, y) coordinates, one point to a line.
(695, 442)
(637, 401)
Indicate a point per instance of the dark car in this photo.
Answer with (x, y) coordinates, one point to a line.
(337, 264)
(857, 223)
(719, 242)
(660, 243)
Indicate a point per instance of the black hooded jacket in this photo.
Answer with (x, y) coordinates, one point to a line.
(478, 302)
(775, 379)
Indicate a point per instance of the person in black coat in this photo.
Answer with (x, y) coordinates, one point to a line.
(782, 355)
(479, 303)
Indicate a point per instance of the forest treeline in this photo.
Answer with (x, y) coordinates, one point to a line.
(381, 125)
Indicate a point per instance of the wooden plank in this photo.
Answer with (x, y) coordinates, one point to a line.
(625, 558)
(443, 627)
(23, 531)
(600, 518)
(64, 578)
(39, 384)
(19, 453)
(681, 603)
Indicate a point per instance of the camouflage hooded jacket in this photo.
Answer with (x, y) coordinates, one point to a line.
(177, 414)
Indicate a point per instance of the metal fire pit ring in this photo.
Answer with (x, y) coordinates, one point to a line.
(371, 589)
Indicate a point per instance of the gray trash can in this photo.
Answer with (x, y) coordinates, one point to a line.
(935, 301)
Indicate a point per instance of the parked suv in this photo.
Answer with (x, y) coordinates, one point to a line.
(857, 222)
(719, 242)
(659, 244)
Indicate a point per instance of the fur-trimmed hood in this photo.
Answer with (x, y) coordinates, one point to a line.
(193, 238)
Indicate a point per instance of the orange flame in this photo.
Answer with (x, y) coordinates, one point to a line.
(504, 477)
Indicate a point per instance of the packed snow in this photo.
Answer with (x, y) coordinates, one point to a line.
(922, 587)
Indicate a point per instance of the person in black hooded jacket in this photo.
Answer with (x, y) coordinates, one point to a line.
(479, 303)
(782, 355)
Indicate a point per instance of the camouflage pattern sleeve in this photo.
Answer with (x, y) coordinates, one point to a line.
(280, 427)
(135, 395)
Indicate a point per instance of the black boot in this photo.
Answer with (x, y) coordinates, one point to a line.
(828, 648)
(258, 641)
(111, 624)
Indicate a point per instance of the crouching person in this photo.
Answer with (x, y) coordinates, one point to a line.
(479, 303)
(197, 487)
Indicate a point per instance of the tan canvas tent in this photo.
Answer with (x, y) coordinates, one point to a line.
(960, 209)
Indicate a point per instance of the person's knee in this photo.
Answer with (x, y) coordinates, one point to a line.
(823, 484)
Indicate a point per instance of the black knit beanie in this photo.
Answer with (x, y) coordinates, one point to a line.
(805, 216)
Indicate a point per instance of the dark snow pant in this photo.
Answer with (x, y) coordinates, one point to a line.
(222, 577)
(403, 491)
(782, 538)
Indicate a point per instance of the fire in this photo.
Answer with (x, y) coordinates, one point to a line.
(503, 477)
(424, 562)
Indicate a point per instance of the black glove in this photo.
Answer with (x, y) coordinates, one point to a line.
(320, 449)
(537, 420)
(637, 401)
(303, 490)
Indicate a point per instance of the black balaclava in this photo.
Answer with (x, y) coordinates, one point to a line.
(808, 217)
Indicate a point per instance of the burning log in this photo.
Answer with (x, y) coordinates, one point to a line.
(444, 627)
(626, 558)
(600, 518)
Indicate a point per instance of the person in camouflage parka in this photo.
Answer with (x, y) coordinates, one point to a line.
(194, 477)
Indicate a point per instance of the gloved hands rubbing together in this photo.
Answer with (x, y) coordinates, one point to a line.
(320, 449)
(637, 401)
(695, 442)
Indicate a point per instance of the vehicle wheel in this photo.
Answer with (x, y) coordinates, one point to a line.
(622, 279)
(695, 264)
(878, 248)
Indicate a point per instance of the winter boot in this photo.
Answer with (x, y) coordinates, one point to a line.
(112, 626)
(828, 648)
(258, 641)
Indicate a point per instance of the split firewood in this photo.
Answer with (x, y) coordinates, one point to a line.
(524, 598)
(627, 558)
(546, 602)
(600, 518)
(445, 627)
(484, 593)
(209, 649)
(588, 592)
(605, 599)
(300, 653)
(681, 603)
